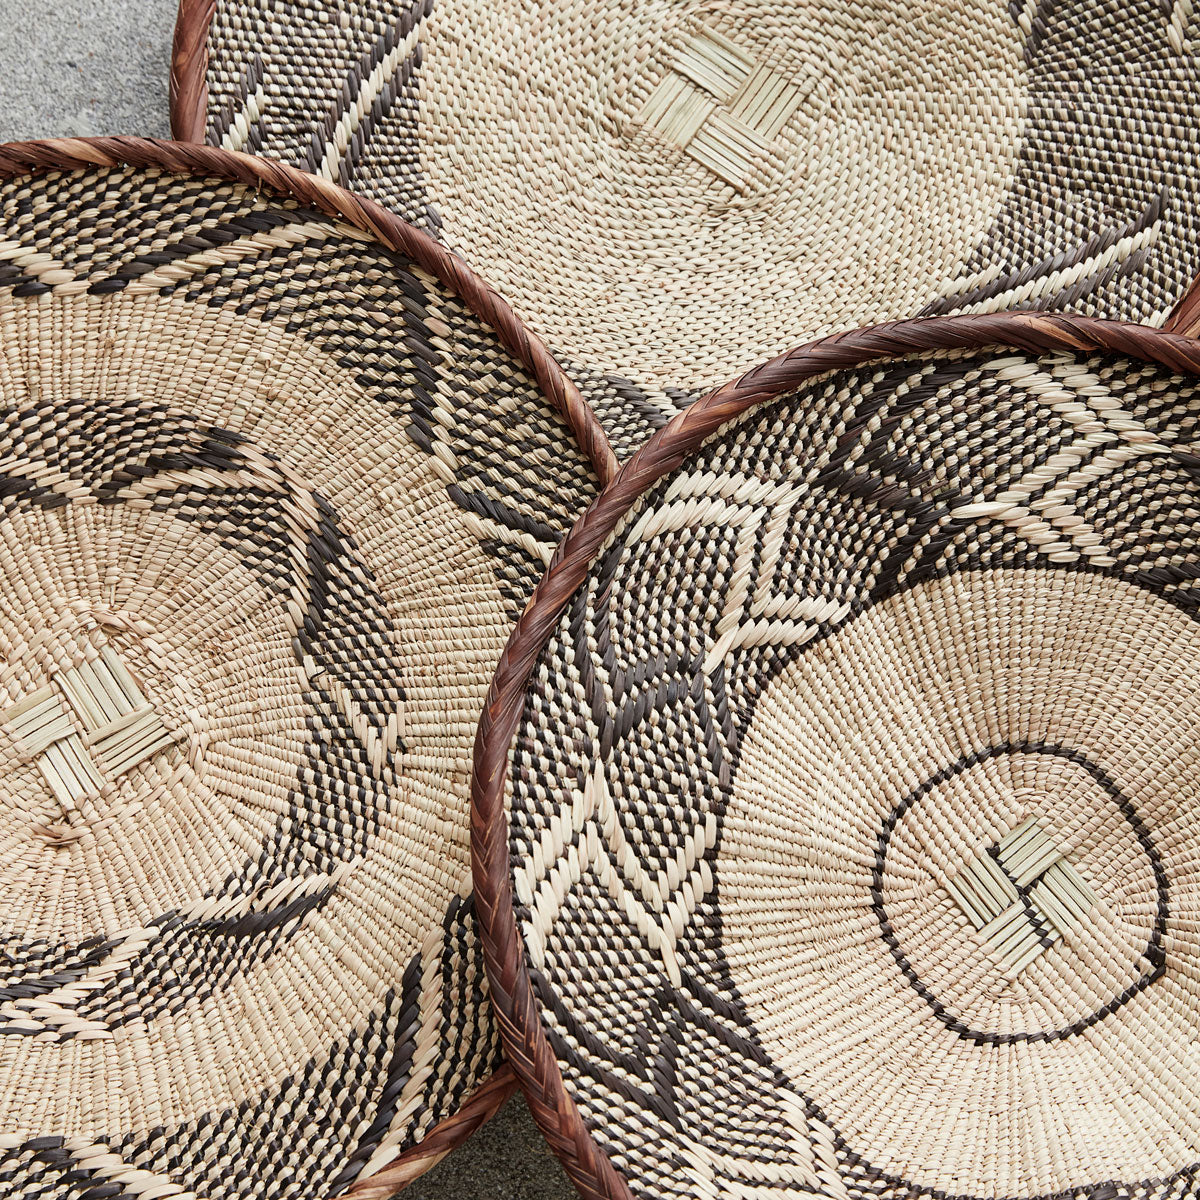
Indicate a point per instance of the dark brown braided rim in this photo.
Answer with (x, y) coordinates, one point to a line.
(479, 1108)
(519, 1016)
(1185, 316)
(28, 158)
(68, 154)
(189, 66)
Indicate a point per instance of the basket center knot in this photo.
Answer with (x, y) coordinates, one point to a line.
(1021, 895)
(88, 727)
(722, 107)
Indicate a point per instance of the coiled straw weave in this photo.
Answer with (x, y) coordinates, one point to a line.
(671, 192)
(851, 745)
(276, 475)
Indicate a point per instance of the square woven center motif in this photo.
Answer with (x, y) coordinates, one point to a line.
(1022, 895)
(89, 727)
(722, 107)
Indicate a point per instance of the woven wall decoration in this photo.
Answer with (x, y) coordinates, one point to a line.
(276, 475)
(671, 192)
(852, 747)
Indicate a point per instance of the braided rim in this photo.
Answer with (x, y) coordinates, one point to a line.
(478, 1108)
(1185, 316)
(195, 160)
(28, 158)
(525, 1040)
(188, 87)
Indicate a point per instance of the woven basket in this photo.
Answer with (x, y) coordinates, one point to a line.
(276, 475)
(670, 192)
(851, 745)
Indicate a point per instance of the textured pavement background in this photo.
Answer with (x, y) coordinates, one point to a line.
(74, 68)
(69, 68)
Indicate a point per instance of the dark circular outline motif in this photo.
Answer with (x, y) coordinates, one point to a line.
(33, 158)
(525, 1039)
(1154, 953)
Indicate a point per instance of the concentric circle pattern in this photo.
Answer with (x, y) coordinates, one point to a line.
(853, 836)
(257, 561)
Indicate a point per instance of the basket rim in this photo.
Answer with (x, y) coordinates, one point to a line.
(525, 1042)
(447, 1135)
(198, 161)
(187, 88)
(29, 158)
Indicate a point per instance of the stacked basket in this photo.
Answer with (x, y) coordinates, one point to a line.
(821, 822)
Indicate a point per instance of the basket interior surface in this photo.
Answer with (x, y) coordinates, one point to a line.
(671, 192)
(262, 536)
(853, 842)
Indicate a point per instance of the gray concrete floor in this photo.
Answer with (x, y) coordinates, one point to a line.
(70, 68)
(74, 68)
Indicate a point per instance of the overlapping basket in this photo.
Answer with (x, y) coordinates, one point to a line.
(833, 801)
(276, 475)
(671, 192)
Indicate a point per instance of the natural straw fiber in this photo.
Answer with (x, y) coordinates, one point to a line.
(671, 192)
(851, 748)
(276, 476)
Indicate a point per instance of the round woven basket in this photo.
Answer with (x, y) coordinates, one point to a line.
(851, 748)
(276, 475)
(671, 192)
